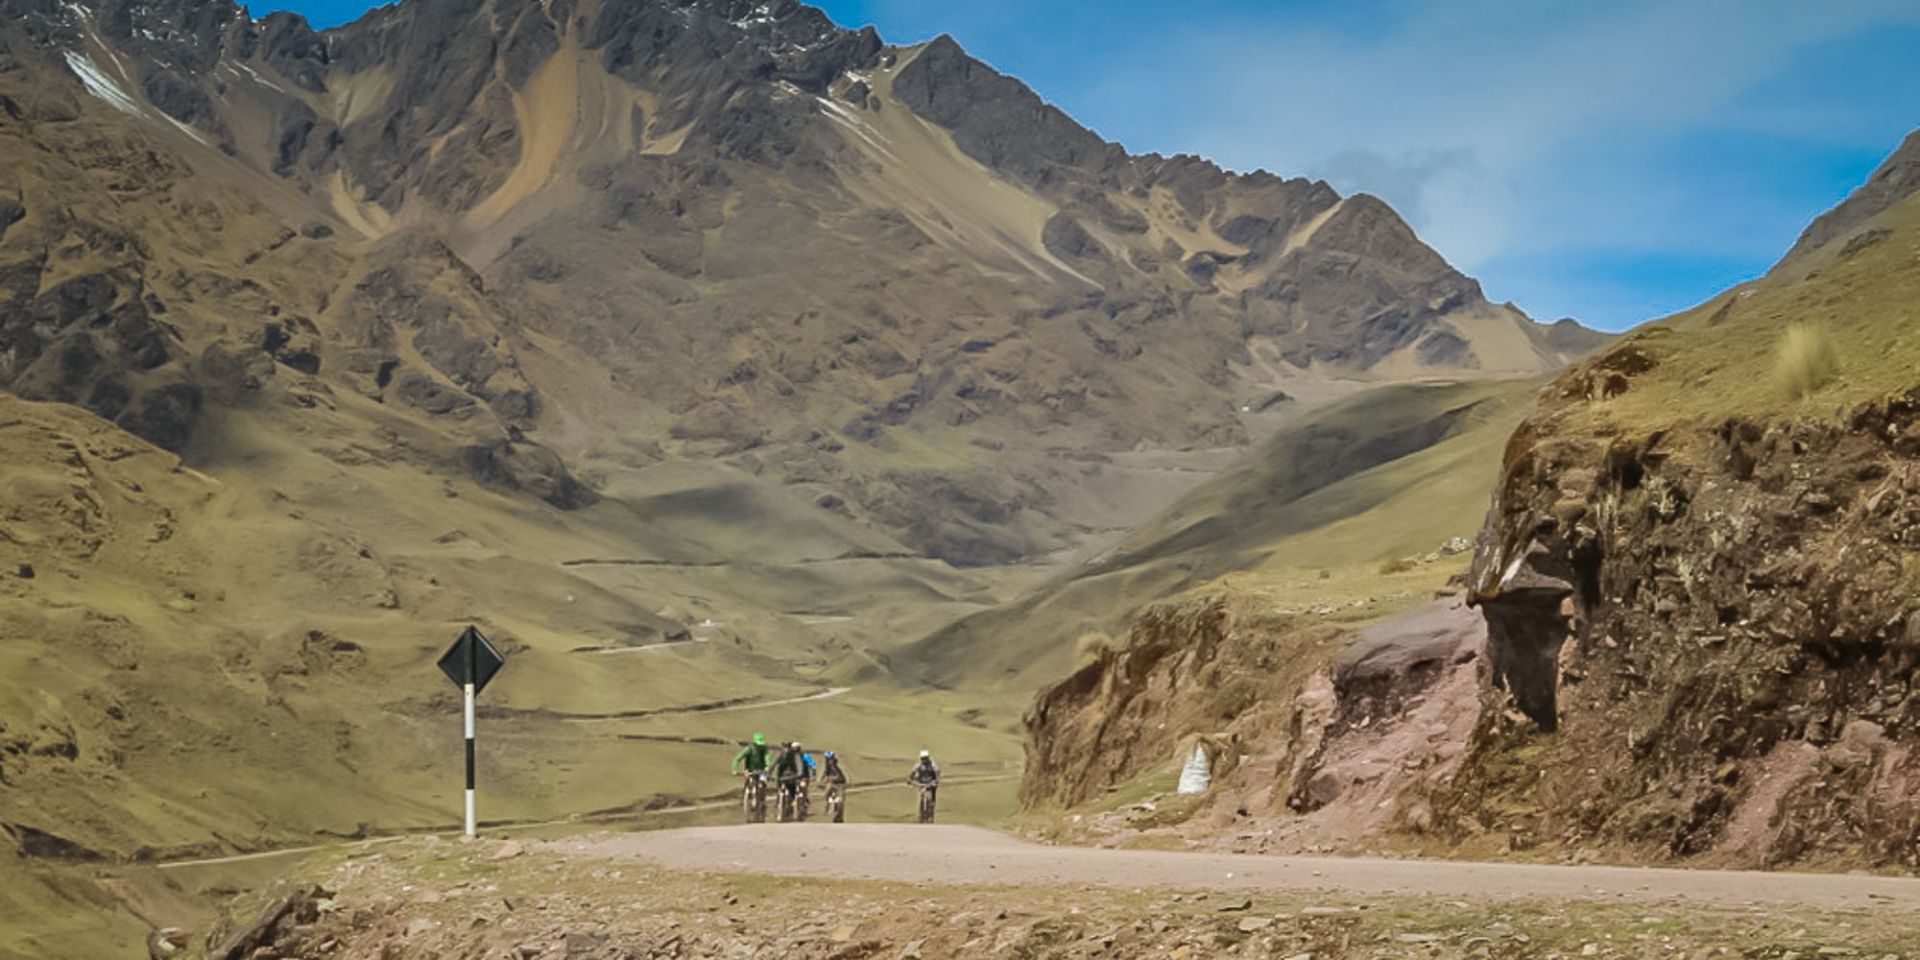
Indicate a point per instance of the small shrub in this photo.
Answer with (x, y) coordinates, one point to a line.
(1392, 567)
(1807, 360)
(1090, 646)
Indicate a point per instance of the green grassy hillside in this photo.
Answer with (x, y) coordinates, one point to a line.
(1323, 505)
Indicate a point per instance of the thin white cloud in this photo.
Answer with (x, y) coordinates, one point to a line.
(1496, 89)
(1450, 191)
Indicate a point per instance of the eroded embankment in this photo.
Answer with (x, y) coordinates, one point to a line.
(1709, 634)
(1318, 736)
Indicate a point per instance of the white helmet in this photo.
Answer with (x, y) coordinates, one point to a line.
(924, 754)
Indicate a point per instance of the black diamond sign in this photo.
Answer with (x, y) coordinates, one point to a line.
(471, 659)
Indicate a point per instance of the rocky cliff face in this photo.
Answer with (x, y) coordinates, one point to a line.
(1186, 668)
(1317, 735)
(1718, 621)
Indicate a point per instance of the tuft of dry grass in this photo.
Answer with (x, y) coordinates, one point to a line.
(1806, 360)
(1090, 646)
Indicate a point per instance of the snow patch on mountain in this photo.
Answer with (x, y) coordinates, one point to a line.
(100, 84)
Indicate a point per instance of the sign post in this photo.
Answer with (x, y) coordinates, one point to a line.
(470, 663)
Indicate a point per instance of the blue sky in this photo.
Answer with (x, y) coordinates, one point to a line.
(1609, 161)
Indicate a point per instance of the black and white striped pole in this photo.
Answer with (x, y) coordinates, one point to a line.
(470, 663)
(468, 687)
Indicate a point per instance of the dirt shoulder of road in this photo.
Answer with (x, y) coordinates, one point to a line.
(912, 853)
(601, 896)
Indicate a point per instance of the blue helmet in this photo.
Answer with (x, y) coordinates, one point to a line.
(832, 756)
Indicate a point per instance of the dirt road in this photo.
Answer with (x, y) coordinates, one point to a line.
(636, 818)
(970, 855)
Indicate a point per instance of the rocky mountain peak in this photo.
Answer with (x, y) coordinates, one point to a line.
(999, 120)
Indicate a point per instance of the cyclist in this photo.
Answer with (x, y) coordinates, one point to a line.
(926, 776)
(791, 770)
(834, 773)
(836, 780)
(753, 795)
(807, 773)
(753, 756)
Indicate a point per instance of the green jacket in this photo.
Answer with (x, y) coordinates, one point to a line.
(754, 755)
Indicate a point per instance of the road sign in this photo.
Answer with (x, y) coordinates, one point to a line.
(471, 659)
(470, 663)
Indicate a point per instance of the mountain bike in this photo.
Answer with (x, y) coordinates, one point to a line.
(837, 802)
(753, 797)
(926, 801)
(792, 801)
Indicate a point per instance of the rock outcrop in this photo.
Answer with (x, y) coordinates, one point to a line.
(1685, 610)
(1317, 737)
(1183, 671)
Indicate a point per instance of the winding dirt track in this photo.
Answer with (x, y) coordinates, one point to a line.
(969, 855)
(732, 706)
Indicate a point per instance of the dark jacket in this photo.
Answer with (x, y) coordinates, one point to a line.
(792, 765)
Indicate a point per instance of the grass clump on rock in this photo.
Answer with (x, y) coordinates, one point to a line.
(1090, 646)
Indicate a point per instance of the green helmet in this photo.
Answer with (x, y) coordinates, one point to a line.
(759, 739)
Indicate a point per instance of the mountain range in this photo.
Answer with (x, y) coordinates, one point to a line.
(768, 239)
